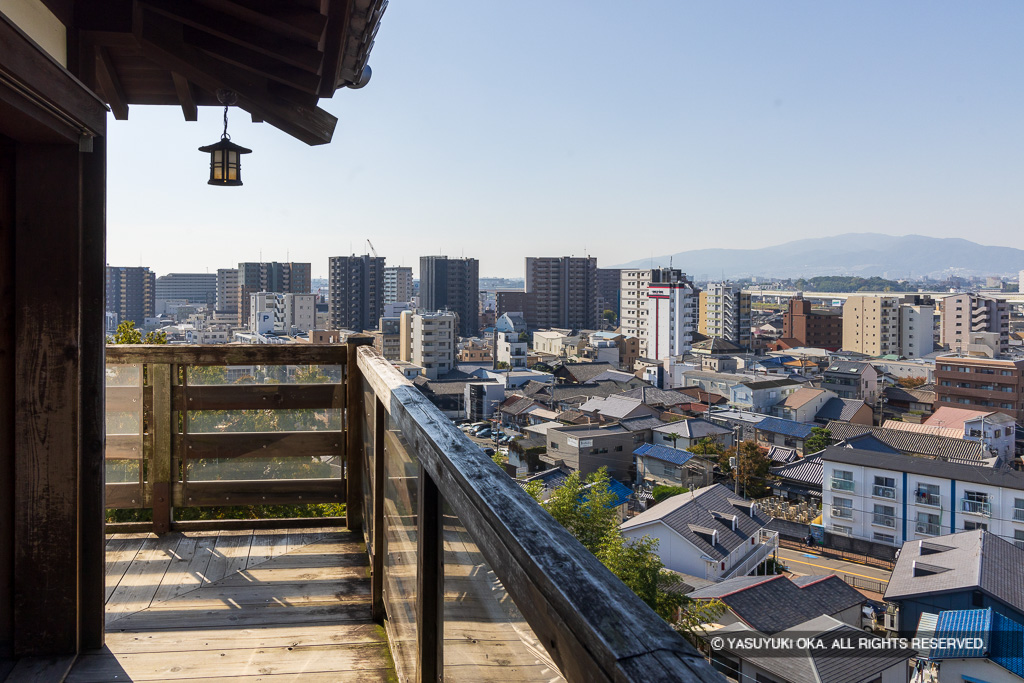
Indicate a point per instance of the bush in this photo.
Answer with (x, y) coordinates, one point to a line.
(661, 492)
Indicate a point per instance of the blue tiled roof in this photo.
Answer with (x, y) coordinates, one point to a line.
(665, 453)
(962, 625)
(1006, 645)
(620, 491)
(777, 425)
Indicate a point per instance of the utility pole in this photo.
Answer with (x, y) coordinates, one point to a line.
(737, 437)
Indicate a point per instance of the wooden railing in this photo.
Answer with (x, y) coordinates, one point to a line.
(199, 426)
(468, 571)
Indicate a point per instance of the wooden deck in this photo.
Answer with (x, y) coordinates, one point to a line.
(238, 606)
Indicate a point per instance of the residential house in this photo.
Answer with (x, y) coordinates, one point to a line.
(687, 433)
(553, 342)
(774, 603)
(742, 421)
(996, 431)
(616, 407)
(667, 466)
(799, 480)
(845, 410)
(892, 498)
(803, 405)
(515, 412)
(903, 440)
(832, 661)
(775, 431)
(962, 571)
(851, 380)
(709, 532)
(587, 448)
(760, 395)
(656, 398)
(580, 373)
(901, 401)
(996, 657)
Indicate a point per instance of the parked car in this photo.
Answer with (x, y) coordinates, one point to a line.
(488, 452)
(483, 433)
(871, 618)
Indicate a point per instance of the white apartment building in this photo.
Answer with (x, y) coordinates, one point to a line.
(633, 299)
(671, 319)
(890, 498)
(397, 284)
(227, 290)
(961, 316)
(428, 340)
(512, 351)
(272, 312)
(725, 313)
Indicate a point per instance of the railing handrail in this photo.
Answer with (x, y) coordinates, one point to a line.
(229, 354)
(593, 626)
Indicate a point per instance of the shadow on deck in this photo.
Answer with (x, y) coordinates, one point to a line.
(238, 606)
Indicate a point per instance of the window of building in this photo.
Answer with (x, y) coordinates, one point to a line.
(927, 523)
(884, 538)
(1018, 537)
(884, 515)
(971, 526)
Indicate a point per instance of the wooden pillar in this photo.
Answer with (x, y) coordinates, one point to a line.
(354, 442)
(6, 395)
(163, 428)
(429, 582)
(48, 372)
(380, 421)
(93, 563)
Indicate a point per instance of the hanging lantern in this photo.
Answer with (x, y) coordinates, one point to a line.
(225, 156)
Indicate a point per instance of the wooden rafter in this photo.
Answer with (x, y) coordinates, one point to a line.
(161, 41)
(334, 45)
(293, 23)
(185, 96)
(110, 84)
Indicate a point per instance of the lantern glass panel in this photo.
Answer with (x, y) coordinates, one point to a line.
(217, 167)
(232, 165)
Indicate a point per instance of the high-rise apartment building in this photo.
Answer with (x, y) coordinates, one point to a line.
(131, 293)
(227, 290)
(608, 281)
(888, 325)
(283, 278)
(397, 284)
(725, 313)
(802, 325)
(428, 340)
(963, 314)
(195, 288)
(564, 291)
(633, 312)
(387, 338)
(671, 318)
(356, 298)
(452, 284)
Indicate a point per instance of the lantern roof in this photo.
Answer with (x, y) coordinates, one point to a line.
(279, 57)
(225, 144)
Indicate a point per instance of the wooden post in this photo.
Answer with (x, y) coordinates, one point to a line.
(160, 475)
(354, 434)
(377, 561)
(7, 375)
(47, 365)
(429, 582)
(93, 563)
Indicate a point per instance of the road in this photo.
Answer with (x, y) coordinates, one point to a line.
(802, 562)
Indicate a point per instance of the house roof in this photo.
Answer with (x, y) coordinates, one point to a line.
(694, 428)
(782, 455)
(843, 409)
(641, 422)
(777, 425)
(584, 372)
(809, 470)
(694, 510)
(614, 406)
(897, 462)
(552, 478)
(655, 396)
(927, 445)
(518, 406)
(770, 604)
(830, 662)
(956, 418)
(1003, 638)
(901, 395)
(715, 345)
(922, 428)
(800, 397)
(667, 454)
(770, 383)
(968, 560)
(847, 367)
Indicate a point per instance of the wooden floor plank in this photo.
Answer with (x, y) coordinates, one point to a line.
(283, 594)
(229, 555)
(41, 669)
(119, 558)
(251, 638)
(165, 616)
(271, 572)
(139, 584)
(177, 569)
(147, 666)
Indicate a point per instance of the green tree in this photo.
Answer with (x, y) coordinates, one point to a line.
(752, 468)
(157, 337)
(609, 316)
(706, 446)
(126, 334)
(819, 440)
(582, 507)
(661, 492)
(675, 436)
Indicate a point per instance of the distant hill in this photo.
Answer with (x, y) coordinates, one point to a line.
(861, 254)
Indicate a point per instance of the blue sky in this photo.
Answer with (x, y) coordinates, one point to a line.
(620, 129)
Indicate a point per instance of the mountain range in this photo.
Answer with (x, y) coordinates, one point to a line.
(857, 254)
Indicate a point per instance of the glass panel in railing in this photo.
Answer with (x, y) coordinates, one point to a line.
(401, 470)
(264, 374)
(369, 402)
(124, 425)
(485, 636)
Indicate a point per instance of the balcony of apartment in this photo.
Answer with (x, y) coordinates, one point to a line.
(839, 484)
(767, 545)
(976, 507)
(422, 559)
(995, 395)
(927, 528)
(879, 491)
(888, 521)
(924, 497)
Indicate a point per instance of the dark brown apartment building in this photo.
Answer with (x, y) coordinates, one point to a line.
(804, 326)
(994, 384)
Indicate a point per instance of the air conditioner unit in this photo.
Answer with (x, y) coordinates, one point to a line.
(838, 511)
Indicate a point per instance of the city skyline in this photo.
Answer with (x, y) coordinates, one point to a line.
(763, 123)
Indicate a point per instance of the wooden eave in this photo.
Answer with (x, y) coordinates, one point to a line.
(279, 56)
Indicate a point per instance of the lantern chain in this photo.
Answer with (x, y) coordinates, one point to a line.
(224, 135)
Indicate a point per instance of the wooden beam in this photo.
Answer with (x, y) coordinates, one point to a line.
(229, 354)
(277, 18)
(185, 96)
(429, 581)
(110, 84)
(47, 408)
(162, 42)
(268, 492)
(258, 397)
(303, 445)
(354, 445)
(338, 13)
(7, 375)
(376, 544)
(251, 60)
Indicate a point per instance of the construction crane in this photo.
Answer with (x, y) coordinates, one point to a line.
(372, 249)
